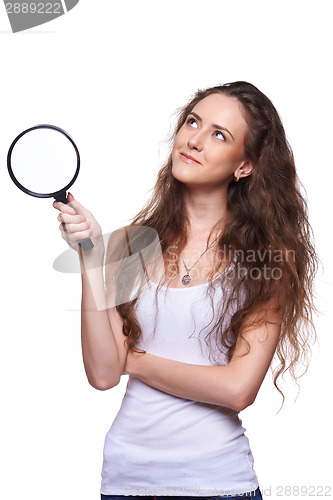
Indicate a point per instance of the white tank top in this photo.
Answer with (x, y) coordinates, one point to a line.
(163, 445)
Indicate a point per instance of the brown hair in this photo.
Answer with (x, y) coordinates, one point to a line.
(267, 232)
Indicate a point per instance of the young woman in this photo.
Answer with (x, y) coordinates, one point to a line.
(236, 288)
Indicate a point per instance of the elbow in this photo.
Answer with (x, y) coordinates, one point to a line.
(242, 400)
(241, 403)
(104, 385)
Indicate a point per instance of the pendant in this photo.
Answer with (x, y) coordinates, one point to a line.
(186, 279)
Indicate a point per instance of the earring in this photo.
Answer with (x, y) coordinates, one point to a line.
(237, 179)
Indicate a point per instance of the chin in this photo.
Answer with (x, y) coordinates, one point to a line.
(181, 176)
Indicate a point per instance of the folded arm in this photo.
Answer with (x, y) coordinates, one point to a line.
(235, 385)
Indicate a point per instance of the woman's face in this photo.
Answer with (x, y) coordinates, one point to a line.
(209, 148)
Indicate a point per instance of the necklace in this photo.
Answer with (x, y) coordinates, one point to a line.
(186, 279)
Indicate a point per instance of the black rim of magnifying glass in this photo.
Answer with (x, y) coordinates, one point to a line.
(57, 194)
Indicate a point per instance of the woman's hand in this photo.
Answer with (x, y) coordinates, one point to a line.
(79, 226)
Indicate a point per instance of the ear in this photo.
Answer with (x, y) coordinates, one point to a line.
(244, 170)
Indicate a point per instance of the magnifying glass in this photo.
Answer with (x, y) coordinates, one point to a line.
(44, 161)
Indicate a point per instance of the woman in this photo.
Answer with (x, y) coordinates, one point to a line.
(236, 287)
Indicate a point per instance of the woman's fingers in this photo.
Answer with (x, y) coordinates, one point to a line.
(75, 227)
(69, 218)
(74, 237)
(79, 209)
(76, 207)
(63, 207)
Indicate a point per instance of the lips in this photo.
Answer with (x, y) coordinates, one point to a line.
(188, 159)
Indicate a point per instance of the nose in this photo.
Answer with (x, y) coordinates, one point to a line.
(195, 141)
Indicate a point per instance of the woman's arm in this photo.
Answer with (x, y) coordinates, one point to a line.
(104, 346)
(103, 354)
(235, 385)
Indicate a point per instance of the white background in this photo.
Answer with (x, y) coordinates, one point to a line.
(112, 74)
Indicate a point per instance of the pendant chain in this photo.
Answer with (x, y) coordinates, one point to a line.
(186, 279)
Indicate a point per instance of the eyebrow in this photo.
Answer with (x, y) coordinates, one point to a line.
(214, 124)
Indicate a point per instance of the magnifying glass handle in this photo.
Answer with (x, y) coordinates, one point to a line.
(86, 244)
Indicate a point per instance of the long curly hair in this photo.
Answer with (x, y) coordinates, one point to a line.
(267, 235)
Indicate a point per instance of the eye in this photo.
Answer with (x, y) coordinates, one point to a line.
(191, 121)
(221, 135)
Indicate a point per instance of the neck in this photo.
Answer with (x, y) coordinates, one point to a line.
(204, 209)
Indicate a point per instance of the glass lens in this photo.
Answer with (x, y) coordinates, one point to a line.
(44, 160)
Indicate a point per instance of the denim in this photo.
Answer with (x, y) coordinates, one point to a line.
(253, 495)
